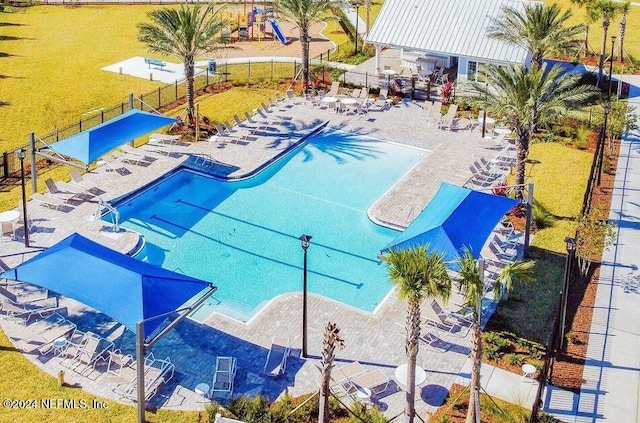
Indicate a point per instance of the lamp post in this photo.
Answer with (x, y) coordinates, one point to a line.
(21, 155)
(304, 242)
(357, 5)
(484, 113)
(603, 137)
(571, 249)
(613, 42)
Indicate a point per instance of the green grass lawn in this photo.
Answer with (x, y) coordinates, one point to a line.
(631, 42)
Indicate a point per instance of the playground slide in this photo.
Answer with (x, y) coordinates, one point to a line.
(277, 31)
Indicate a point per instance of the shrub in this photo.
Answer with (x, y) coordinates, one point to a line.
(360, 413)
(581, 136)
(541, 216)
(443, 418)
(250, 409)
(514, 359)
(495, 345)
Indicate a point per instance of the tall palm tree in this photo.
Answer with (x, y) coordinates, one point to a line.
(303, 14)
(622, 29)
(539, 29)
(186, 32)
(525, 98)
(332, 340)
(470, 282)
(605, 10)
(419, 274)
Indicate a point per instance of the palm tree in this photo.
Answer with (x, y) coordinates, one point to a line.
(470, 282)
(186, 32)
(605, 10)
(332, 340)
(622, 29)
(526, 98)
(539, 29)
(419, 274)
(303, 14)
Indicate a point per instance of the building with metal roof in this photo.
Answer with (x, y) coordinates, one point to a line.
(434, 33)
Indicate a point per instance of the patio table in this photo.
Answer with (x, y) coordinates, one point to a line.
(401, 374)
(11, 217)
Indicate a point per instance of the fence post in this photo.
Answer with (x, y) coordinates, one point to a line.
(5, 164)
(130, 101)
(428, 89)
(207, 77)
(34, 166)
(102, 116)
(366, 79)
(80, 125)
(295, 67)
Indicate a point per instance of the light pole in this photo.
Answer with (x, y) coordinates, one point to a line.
(21, 155)
(571, 249)
(603, 137)
(613, 42)
(304, 242)
(357, 5)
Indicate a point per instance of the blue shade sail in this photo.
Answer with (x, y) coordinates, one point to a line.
(455, 218)
(126, 289)
(90, 145)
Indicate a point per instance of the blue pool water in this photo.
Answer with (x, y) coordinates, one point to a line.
(243, 236)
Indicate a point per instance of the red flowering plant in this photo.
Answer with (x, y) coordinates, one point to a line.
(446, 91)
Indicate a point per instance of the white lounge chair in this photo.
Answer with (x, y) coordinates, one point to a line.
(23, 311)
(333, 92)
(223, 376)
(54, 191)
(276, 363)
(374, 380)
(50, 201)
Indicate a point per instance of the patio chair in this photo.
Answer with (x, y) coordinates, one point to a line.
(374, 380)
(382, 101)
(502, 254)
(355, 93)
(276, 363)
(43, 342)
(50, 201)
(446, 121)
(92, 349)
(54, 191)
(78, 179)
(119, 364)
(290, 96)
(165, 139)
(147, 156)
(364, 94)
(36, 327)
(333, 92)
(462, 124)
(21, 312)
(348, 371)
(223, 376)
(431, 338)
(279, 98)
(438, 73)
(435, 317)
(238, 121)
(265, 107)
(228, 127)
(435, 112)
(156, 373)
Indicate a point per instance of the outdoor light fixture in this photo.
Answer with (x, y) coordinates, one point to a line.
(357, 4)
(304, 243)
(571, 249)
(21, 155)
(613, 42)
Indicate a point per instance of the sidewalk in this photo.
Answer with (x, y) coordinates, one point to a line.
(610, 390)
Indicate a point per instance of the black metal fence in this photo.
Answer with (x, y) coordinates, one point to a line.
(243, 73)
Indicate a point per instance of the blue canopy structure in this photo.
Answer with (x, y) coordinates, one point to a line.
(126, 289)
(90, 145)
(455, 218)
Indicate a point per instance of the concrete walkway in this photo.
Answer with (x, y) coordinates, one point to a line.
(611, 386)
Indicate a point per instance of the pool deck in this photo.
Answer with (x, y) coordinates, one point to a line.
(375, 339)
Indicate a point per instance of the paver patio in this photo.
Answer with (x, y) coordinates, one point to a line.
(374, 339)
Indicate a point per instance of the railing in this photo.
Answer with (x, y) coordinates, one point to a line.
(115, 214)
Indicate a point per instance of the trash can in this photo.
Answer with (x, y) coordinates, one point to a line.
(212, 66)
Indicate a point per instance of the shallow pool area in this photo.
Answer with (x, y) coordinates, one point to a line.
(243, 236)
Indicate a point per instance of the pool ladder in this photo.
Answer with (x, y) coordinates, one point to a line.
(202, 159)
(115, 214)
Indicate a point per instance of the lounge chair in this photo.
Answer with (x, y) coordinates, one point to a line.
(333, 92)
(501, 253)
(23, 311)
(165, 139)
(355, 93)
(374, 380)
(43, 341)
(119, 363)
(290, 96)
(276, 363)
(156, 372)
(147, 156)
(37, 327)
(446, 121)
(435, 316)
(265, 107)
(348, 371)
(223, 376)
(54, 191)
(435, 113)
(50, 201)
(382, 101)
(90, 350)
(238, 121)
(78, 179)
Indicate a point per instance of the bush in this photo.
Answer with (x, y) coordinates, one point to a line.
(360, 413)
(541, 216)
(581, 136)
(250, 409)
(515, 359)
(495, 345)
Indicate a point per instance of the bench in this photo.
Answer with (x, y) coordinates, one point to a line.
(154, 62)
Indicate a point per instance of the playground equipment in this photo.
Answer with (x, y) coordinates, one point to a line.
(277, 32)
(252, 23)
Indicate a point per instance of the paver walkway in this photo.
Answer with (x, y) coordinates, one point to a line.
(611, 388)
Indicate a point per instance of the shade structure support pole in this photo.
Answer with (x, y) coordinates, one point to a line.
(34, 168)
(527, 232)
(131, 98)
(140, 353)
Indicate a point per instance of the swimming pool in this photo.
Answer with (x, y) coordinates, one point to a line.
(243, 236)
